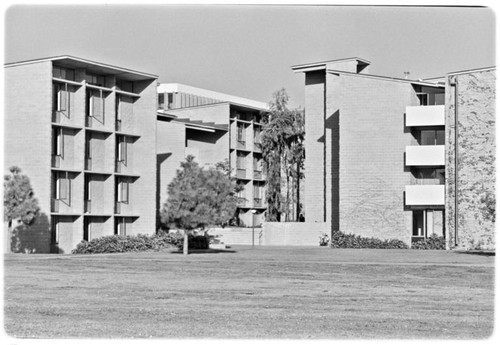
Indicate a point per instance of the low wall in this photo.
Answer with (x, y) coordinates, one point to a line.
(274, 234)
(294, 234)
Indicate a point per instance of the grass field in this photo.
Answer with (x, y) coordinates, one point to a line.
(262, 292)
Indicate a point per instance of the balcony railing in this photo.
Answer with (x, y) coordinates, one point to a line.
(257, 174)
(88, 121)
(118, 125)
(242, 202)
(424, 195)
(425, 155)
(432, 115)
(257, 202)
(241, 173)
(257, 146)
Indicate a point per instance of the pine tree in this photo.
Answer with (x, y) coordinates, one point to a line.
(198, 198)
(19, 202)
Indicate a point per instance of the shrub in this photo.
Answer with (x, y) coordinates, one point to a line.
(324, 239)
(341, 240)
(121, 244)
(434, 242)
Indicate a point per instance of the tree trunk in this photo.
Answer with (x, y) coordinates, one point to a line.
(297, 185)
(185, 247)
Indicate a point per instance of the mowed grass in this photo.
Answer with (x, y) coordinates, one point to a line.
(262, 292)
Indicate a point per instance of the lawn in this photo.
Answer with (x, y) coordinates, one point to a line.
(262, 292)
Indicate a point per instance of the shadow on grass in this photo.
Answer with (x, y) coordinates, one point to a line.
(477, 252)
(205, 251)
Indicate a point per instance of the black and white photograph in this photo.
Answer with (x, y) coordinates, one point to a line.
(282, 171)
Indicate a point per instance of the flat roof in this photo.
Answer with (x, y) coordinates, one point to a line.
(322, 64)
(401, 80)
(97, 67)
(475, 70)
(222, 97)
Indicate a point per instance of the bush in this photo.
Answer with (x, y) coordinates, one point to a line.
(341, 240)
(434, 242)
(121, 244)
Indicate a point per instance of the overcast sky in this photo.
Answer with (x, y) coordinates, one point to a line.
(247, 50)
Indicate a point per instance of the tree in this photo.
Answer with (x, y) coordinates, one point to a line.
(198, 198)
(19, 202)
(283, 155)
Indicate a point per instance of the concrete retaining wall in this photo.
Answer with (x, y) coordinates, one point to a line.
(274, 234)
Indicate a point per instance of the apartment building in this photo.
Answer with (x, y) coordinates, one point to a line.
(378, 152)
(85, 135)
(213, 127)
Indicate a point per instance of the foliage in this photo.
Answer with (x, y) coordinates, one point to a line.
(121, 244)
(341, 240)
(283, 156)
(430, 243)
(488, 206)
(19, 200)
(198, 198)
(324, 240)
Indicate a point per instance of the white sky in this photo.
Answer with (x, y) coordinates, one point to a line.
(247, 50)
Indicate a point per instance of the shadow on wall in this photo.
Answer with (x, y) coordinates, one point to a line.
(33, 238)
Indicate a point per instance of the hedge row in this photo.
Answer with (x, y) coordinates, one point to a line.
(121, 244)
(341, 240)
(434, 242)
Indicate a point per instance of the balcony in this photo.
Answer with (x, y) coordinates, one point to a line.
(257, 202)
(425, 155)
(257, 147)
(424, 195)
(431, 115)
(242, 202)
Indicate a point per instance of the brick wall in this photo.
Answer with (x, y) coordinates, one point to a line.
(371, 167)
(314, 169)
(475, 107)
(27, 130)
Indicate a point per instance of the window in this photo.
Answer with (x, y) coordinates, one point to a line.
(122, 149)
(63, 188)
(58, 144)
(256, 191)
(61, 99)
(95, 79)
(256, 135)
(170, 100)
(429, 176)
(96, 105)
(257, 164)
(121, 227)
(123, 191)
(63, 73)
(161, 100)
(125, 85)
(241, 132)
(432, 137)
(240, 161)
